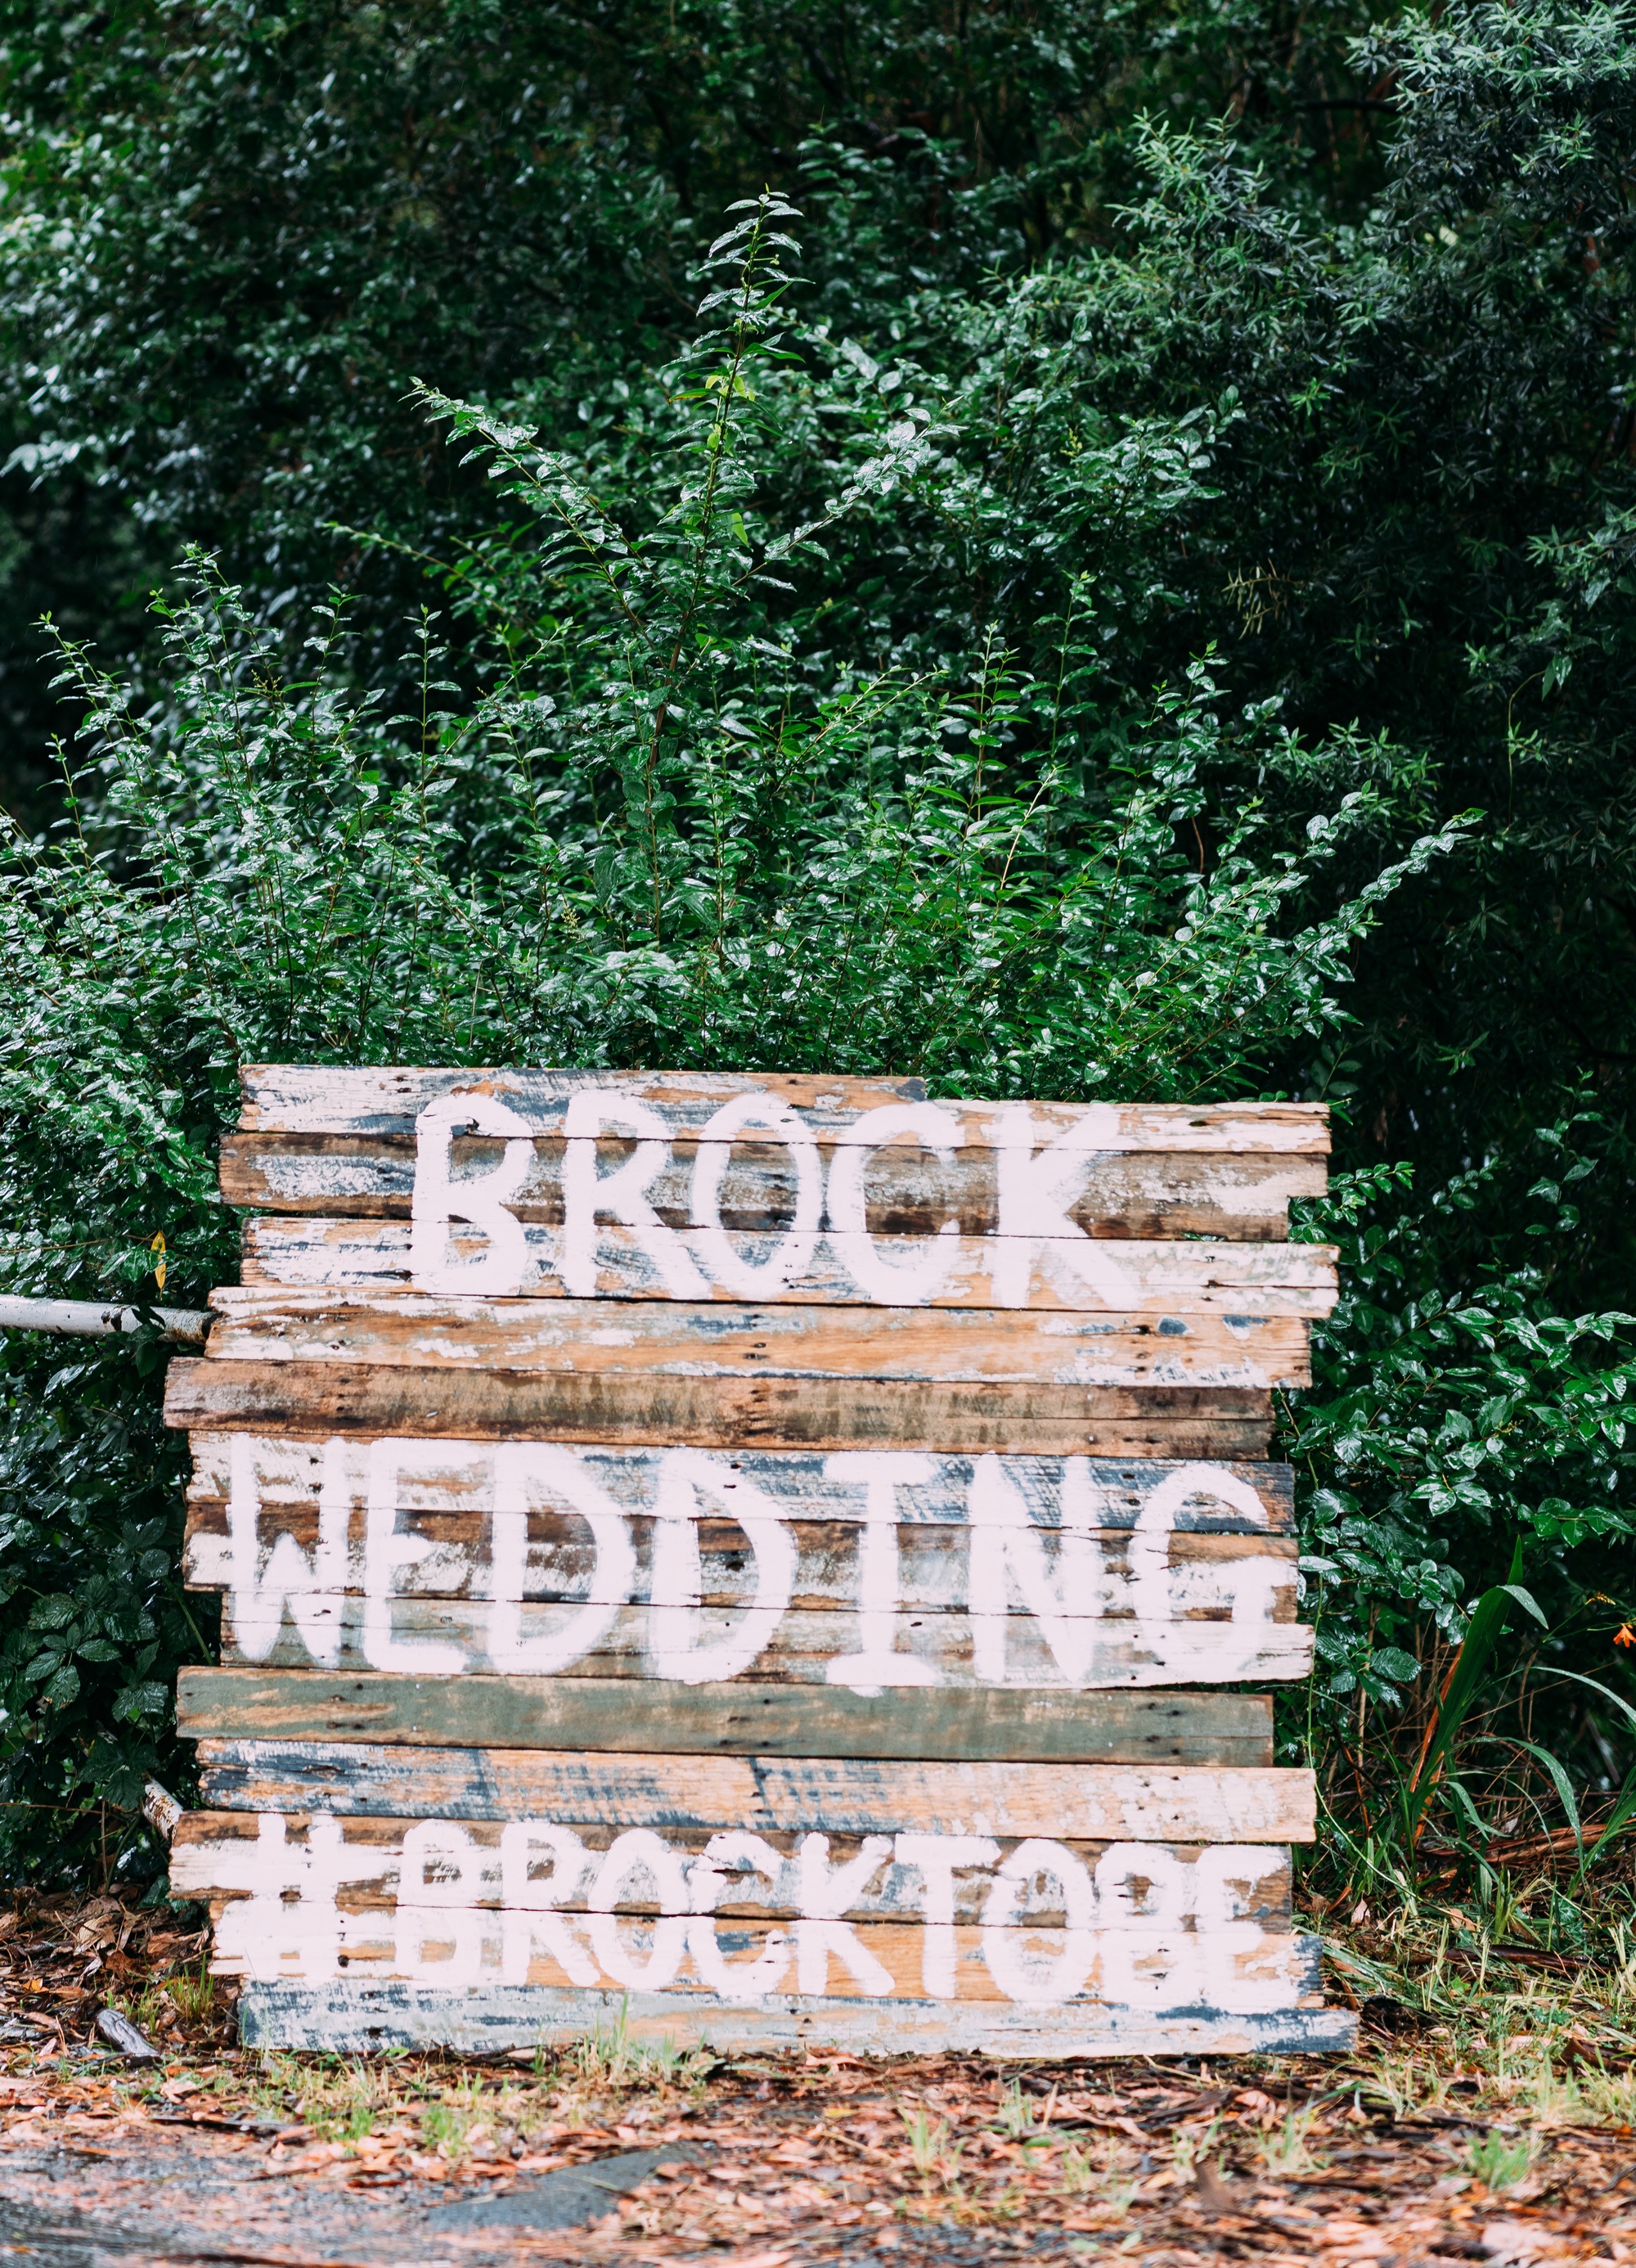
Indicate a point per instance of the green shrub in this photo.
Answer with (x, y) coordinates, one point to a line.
(666, 832)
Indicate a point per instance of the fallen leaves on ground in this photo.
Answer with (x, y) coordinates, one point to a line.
(1407, 2156)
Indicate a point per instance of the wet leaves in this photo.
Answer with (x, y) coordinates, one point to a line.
(1405, 2159)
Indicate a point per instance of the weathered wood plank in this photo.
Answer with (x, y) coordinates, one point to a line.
(1235, 1967)
(691, 1571)
(653, 1265)
(343, 2016)
(220, 1553)
(1241, 1196)
(835, 1795)
(563, 1562)
(299, 1252)
(615, 1339)
(254, 1721)
(1225, 1424)
(309, 1098)
(370, 1865)
(746, 1961)
(447, 1638)
(551, 1575)
(450, 1478)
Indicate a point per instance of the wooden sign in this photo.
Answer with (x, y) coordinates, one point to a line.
(762, 1554)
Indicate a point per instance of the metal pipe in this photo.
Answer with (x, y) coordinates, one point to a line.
(90, 1319)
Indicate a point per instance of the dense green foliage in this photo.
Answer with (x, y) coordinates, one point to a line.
(1046, 633)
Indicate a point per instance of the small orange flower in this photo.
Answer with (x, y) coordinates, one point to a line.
(1624, 1635)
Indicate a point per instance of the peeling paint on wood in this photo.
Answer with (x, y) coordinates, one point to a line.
(313, 1097)
(1224, 1425)
(778, 1875)
(489, 2018)
(450, 1476)
(836, 1795)
(1137, 1926)
(1242, 1198)
(437, 1638)
(687, 1568)
(225, 1709)
(1200, 1278)
(680, 1339)
(681, 1537)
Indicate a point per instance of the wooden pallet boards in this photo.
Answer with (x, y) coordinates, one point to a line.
(737, 1544)
(1226, 1423)
(1202, 1275)
(244, 1719)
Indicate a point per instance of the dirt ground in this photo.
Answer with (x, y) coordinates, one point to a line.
(1507, 2139)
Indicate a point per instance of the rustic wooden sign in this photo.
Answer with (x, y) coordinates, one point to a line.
(758, 1554)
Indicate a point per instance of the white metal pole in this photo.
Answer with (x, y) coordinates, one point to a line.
(93, 1319)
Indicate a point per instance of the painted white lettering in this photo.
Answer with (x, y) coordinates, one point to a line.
(818, 1942)
(524, 1933)
(311, 1588)
(1036, 1189)
(1149, 1959)
(1006, 1547)
(273, 1933)
(439, 1881)
(1162, 1592)
(1225, 1877)
(731, 1860)
(1020, 1975)
(737, 1980)
(1207, 1483)
(1249, 1586)
(1242, 1972)
(793, 1252)
(740, 1854)
(935, 1858)
(1139, 1886)
(520, 1466)
(384, 1550)
(824, 1894)
(686, 1477)
(439, 1199)
(522, 1843)
(640, 1852)
(1144, 1968)
(877, 1664)
(894, 1283)
(529, 1897)
(587, 1193)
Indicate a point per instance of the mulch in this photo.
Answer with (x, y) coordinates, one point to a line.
(790, 2163)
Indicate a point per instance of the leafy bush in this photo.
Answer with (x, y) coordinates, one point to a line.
(662, 834)
(1310, 406)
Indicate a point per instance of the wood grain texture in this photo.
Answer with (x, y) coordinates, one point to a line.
(346, 2017)
(768, 1738)
(683, 1339)
(683, 1567)
(747, 1962)
(835, 1795)
(446, 1478)
(1237, 1968)
(1226, 1424)
(1239, 1196)
(562, 1563)
(337, 1099)
(300, 1252)
(290, 1722)
(371, 1864)
(450, 1639)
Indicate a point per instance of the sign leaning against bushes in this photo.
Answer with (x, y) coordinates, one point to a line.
(766, 1555)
